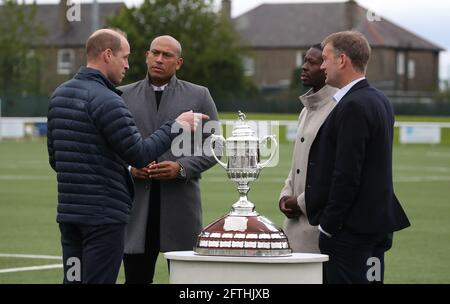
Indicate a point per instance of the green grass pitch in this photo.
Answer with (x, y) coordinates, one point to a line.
(420, 254)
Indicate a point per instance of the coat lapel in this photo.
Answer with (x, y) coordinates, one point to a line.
(150, 111)
(168, 105)
(362, 84)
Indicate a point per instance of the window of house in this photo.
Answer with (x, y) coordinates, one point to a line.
(299, 59)
(249, 66)
(284, 83)
(31, 54)
(411, 69)
(401, 63)
(66, 58)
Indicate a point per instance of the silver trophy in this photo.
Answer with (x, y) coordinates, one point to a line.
(243, 232)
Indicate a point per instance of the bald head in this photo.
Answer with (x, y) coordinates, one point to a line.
(163, 59)
(170, 41)
(102, 40)
(107, 51)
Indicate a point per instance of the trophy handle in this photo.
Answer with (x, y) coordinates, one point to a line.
(272, 154)
(213, 140)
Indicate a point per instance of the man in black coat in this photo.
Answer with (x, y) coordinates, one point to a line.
(349, 187)
(92, 138)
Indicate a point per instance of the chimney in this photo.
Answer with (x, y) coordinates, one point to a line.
(63, 23)
(352, 14)
(226, 9)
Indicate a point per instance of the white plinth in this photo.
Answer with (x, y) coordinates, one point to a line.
(186, 267)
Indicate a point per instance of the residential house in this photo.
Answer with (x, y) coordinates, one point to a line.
(278, 36)
(68, 26)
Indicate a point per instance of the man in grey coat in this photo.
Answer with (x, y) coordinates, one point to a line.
(167, 213)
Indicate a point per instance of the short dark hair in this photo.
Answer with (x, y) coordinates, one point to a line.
(354, 45)
(98, 42)
(317, 46)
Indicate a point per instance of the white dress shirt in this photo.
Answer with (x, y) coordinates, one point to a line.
(161, 88)
(341, 93)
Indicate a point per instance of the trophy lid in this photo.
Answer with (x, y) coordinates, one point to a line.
(241, 130)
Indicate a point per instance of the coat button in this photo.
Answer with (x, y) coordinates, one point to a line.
(298, 171)
(302, 139)
(308, 187)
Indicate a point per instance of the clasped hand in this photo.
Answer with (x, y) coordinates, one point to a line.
(289, 206)
(159, 171)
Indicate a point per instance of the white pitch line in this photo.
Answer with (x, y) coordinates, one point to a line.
(420, 179)
(224, 179)
(26, 178)
(53, 266)
(402, 179)
(30, 256)
(422, 169)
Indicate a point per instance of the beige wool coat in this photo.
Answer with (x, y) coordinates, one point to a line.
(301, 235)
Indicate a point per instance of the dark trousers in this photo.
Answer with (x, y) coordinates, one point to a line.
(140, 268)
(355, 258)
(92, 254)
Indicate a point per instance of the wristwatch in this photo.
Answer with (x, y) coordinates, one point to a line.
(181, 173)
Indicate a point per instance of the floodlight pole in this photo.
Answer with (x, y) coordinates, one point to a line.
(95, 16)
(1, 124)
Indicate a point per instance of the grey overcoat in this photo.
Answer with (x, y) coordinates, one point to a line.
(181, 210)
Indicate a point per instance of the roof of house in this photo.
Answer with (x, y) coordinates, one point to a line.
(300, 25)
(77, 31)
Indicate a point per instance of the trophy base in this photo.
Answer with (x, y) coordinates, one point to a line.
(243, 252)
(243, 235)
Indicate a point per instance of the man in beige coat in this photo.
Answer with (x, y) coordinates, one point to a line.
(318, 103)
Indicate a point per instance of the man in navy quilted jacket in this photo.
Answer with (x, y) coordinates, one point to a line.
(92, 139)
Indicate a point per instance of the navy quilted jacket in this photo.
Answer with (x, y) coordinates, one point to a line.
(92, 138)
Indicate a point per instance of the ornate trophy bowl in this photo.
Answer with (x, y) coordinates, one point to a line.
(243, 232)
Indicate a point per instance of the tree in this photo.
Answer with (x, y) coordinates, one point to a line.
(19, 64)
(212, 51)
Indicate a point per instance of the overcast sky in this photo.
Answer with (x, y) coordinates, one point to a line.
(429, 19)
